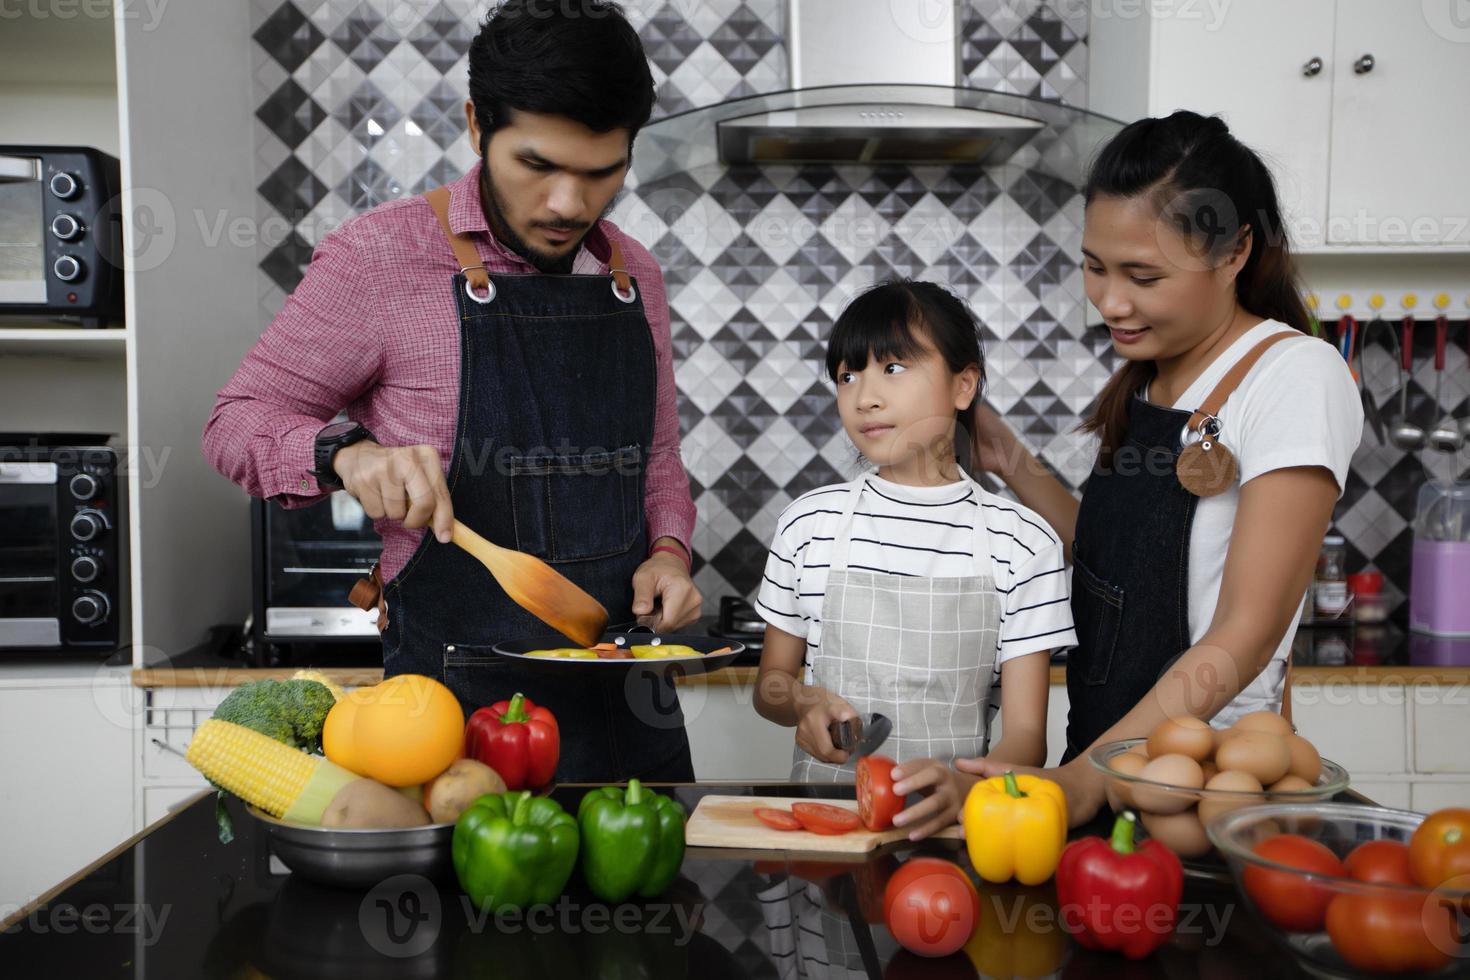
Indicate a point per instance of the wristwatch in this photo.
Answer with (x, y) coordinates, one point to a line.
(328, 441)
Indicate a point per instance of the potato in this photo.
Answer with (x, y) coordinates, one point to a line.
(451, 792)
(365, 804)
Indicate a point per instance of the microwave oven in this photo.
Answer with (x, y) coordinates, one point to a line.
(60, 234)
(61, 544)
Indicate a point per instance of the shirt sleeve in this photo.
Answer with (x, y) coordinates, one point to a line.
(1038, 608)
(322, 350)
(668, 507)
(1303, 410)
(777, 600)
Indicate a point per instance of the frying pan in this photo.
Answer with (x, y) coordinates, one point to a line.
(634, 635)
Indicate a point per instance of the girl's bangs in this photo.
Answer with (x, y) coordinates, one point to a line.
(881, 324)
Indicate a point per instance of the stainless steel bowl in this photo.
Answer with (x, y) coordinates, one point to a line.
(360, 858)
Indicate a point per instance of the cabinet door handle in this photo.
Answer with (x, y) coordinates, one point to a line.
(1363, 65)
(1312, 68)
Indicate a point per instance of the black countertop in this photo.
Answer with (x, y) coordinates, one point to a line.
(178, 903)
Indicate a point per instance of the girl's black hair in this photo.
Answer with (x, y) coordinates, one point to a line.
(575, 58)
(888, 321)
(1214, 190)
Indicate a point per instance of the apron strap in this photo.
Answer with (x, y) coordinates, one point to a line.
(622, 282)
(1216, 400)
(843, 537)
(465, 252)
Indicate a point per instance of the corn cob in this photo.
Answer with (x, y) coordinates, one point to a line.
(283, 781)
(322, 679)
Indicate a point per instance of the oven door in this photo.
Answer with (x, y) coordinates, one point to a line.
(313, 556)
(30, 558)
(22, 232)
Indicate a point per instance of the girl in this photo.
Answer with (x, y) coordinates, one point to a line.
(911, 591)
(1188, 577)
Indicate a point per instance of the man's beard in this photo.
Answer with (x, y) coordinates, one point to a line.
(545, 262)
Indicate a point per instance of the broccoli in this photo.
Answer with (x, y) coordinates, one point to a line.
(290, 711)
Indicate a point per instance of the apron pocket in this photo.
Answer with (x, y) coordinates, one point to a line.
(577, 508)
(1097, 607)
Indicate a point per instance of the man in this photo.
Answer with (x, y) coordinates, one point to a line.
(505, 359)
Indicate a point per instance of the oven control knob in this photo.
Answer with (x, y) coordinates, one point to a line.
(87, 524)
(85, 568)
(84, 486)
(68, 268)
(65, 227)
(90, 608)
(65, 185)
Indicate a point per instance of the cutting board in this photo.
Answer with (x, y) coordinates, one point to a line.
(730, 821)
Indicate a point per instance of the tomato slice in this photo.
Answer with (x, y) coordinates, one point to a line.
(877, 803)
(777, 819)
(823, 818)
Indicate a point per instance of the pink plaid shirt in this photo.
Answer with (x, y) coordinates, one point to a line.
(373, 328)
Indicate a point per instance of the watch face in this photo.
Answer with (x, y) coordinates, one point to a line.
(336, 430)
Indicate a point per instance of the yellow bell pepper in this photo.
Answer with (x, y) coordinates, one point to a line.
(1015, 827)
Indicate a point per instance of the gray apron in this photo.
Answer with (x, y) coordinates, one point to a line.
(919, 650)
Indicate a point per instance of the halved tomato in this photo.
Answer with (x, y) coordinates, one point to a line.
(777, 819)
(877, 803)
(823, 818)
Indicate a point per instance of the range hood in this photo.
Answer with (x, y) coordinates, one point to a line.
(874, 82)
(835, 43)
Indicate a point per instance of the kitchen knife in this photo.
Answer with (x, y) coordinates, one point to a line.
(858, 736)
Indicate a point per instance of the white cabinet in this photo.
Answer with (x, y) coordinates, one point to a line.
(1356, 105)
(727, 739)
(69, 766)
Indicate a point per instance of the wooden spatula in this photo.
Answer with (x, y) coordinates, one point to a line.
(538, 588)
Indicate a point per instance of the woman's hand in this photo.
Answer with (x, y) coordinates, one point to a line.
(995, 446)
(816, 709)
(944, 792)
(1080, 783)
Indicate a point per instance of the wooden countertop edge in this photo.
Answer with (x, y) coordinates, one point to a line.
(745, 676)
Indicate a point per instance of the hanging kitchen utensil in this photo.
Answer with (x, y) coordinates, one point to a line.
(1465, 422)
(1445, 436)
(1371, 411)
(538, 588)
(1405, 434)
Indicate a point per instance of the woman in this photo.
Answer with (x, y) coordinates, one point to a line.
(1185, 599)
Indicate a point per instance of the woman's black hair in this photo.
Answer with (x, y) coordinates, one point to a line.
(1214, 190)
(889, 322)
(575, 58)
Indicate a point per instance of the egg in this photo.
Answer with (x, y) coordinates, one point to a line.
(1120, 792)
(1180, 832)
(1176, 770)
(1290, 783)
(1230, 780)
(1210, 770)
(1305, 762)
(1139, 749)
(1263, 721)
(1261, 754)
(1185, 735)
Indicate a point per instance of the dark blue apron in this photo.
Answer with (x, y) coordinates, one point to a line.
(556, 414)
(1130, 575)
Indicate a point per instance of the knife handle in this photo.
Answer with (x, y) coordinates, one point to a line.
(846, 734)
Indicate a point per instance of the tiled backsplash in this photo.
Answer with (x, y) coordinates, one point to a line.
(360, 102)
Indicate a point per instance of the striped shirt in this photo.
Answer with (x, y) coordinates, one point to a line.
(925, 531)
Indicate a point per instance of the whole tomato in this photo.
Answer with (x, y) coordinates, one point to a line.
(1391, 933)
(931, 906)
(1289, 900)
(877, 803)
(1383, 861)
(1440, 848)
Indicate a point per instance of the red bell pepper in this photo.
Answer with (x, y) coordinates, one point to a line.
(518, 740)
(1116, 896)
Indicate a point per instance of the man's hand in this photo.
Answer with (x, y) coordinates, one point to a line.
(403, 483)
(664, 596)
(944, 792)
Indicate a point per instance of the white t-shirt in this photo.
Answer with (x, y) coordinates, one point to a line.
(925, 531)
(1297, 407)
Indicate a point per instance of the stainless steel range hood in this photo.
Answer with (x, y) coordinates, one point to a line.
(835, 43)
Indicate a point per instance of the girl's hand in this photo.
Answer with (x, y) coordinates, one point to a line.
(1080, 783)
(817, 708)
(944, 792)
(995, 447)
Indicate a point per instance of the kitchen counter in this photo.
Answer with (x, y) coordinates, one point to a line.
(175, 902)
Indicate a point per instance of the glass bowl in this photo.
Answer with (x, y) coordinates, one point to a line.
(1339, 926)
(1176, 815)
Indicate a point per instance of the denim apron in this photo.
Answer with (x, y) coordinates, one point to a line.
(1130, 575)
(556, 411)
(919, 650)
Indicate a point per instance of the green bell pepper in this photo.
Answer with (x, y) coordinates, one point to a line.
(514, 850)
(632, 841)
